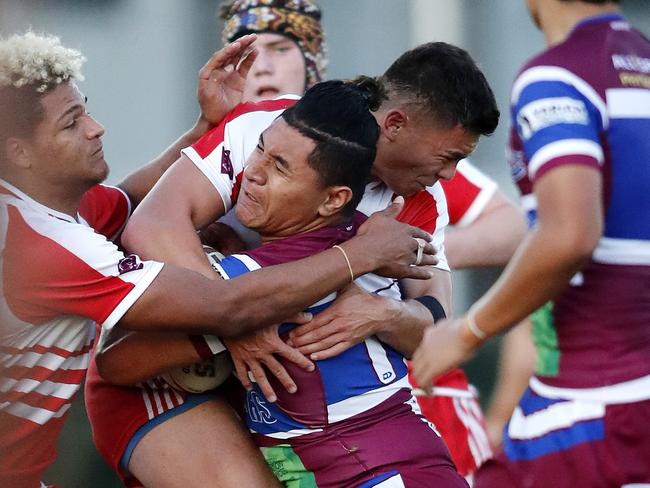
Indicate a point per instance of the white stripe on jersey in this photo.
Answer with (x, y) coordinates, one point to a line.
(38, 415)
(361, 403)
(565, 147)
(554, 73)
(487, 187)
(147, 402)
(636, 390)
(47, 360)
(290, 433)
(379, 360)
(628, 103)
(393, 482)
(64, 391)
(470, 414)
(622, 251)
(142, 282)
(250, 263)
(554, 417)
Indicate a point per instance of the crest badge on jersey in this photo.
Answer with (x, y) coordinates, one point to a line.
(226, 164)
(129, 263)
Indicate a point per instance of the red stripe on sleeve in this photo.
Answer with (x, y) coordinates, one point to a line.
(420, 210)
(106, 209)
(210, 140)
(460, 193)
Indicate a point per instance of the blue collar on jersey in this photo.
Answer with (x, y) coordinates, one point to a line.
(596, 19)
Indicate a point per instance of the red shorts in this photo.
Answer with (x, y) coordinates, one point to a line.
(457, 415)
(118, 413)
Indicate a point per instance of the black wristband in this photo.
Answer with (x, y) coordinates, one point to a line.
(434, 306)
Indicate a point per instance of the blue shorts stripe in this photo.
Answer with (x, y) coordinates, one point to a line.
(560, 440)
(379, 479)
(190, 402)
(531, 402)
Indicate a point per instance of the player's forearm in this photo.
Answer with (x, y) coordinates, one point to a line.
(403, 331)
(181, 300)
(142, 180)
(146, 354)
(540, 269)
(491, 240)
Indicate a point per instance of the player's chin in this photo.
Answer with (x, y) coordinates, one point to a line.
(99, 173)
(247, 217)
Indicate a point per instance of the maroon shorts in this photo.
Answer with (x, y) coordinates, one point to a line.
(387, 446)
(617, 455)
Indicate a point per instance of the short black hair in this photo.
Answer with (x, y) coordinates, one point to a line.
(448, 83)
(336, 116)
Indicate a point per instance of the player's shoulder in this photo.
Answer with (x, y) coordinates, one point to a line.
(280, 103)
(243, 122)
(557, 72)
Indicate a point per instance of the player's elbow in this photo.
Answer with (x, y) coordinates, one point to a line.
(575, 245)
(135, 235)
(112, 370)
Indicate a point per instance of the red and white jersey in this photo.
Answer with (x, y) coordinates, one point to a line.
(468, 192)
(222, 154)
(60, 276)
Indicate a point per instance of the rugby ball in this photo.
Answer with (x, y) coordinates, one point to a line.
(203, 376)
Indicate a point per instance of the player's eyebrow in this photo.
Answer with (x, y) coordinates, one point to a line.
(74, 108)
(275, 157)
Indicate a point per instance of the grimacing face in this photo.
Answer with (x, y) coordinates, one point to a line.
(280, 193)
(66, 148)
(279, 69)
(421, 155)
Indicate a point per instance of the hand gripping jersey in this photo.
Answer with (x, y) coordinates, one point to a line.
(222, 154)
(60, 276)
(360, 392)
(593, 341)
(341, 387)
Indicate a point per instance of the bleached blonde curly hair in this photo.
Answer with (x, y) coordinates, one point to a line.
(40, 61)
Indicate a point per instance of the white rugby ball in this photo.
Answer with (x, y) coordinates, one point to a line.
(203, 376)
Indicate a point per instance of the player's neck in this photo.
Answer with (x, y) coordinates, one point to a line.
(319, 223)
(52, 196)
(558, 19)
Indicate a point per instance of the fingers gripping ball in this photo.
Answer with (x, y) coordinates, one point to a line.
(207, 374)
(203, 376)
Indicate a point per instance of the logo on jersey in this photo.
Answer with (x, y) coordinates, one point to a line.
(517, 163)
(129, 263)
(543, 113)
(257, 409)
(226, 163)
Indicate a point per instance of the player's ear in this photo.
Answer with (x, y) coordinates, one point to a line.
(395, 120)
(337, 198)
(17, 152)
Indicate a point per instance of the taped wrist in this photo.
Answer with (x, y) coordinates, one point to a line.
(434, 306)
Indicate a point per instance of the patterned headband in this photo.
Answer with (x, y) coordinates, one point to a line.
(296, 19)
